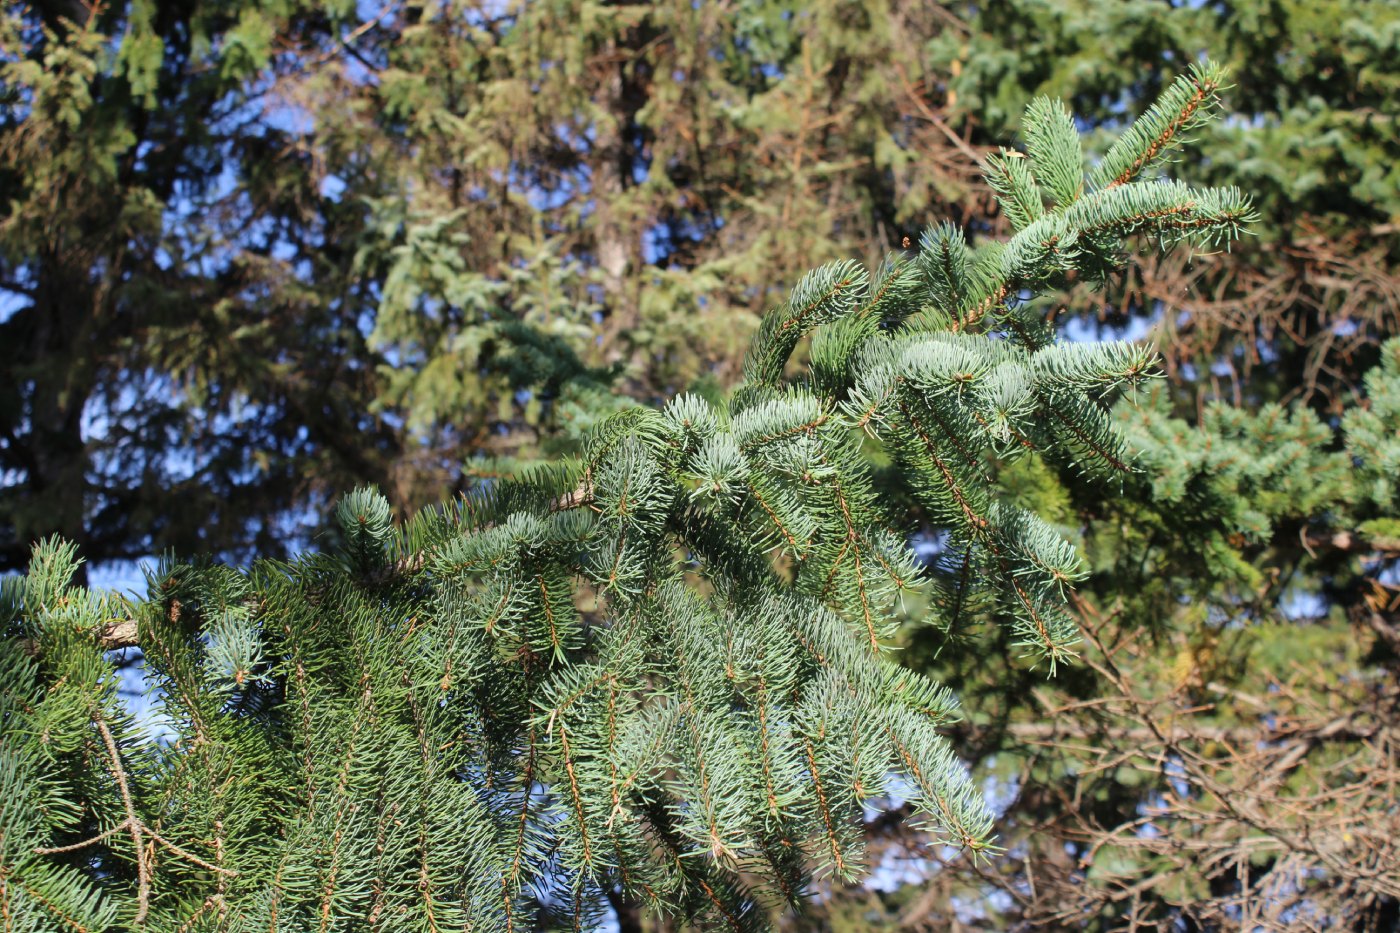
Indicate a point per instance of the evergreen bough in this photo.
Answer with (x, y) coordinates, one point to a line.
(657, 672)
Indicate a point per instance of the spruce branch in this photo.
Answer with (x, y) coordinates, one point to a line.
(660, 672)
(1052, 142)
(1186, 104)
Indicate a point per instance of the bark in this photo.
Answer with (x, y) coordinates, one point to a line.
(60, 367)
(623, 90)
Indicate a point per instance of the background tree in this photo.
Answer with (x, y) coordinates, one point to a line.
(158, 254)
(346, 213)
(636, 149)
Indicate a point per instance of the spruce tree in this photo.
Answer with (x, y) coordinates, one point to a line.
(180, 364)
(658, 672)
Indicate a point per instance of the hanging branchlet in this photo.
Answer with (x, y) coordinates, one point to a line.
(660, 671)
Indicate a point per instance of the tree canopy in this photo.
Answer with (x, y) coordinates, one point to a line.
(657, 674)
(254, 255)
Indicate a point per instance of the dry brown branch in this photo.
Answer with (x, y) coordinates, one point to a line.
(1330, 297)
(1255, 809)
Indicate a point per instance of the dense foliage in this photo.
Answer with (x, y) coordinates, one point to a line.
(239, 235)
(1225, 756)
(658, 674)
(255, 254)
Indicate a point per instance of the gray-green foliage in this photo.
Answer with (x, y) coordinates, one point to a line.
(1308, 130)
(659, 670)
(1240, 475)
(1370, 431)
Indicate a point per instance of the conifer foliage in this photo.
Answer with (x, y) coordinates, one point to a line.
(658, 673)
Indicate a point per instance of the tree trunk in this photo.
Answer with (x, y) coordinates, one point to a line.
(622, 90)
(62, 384)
